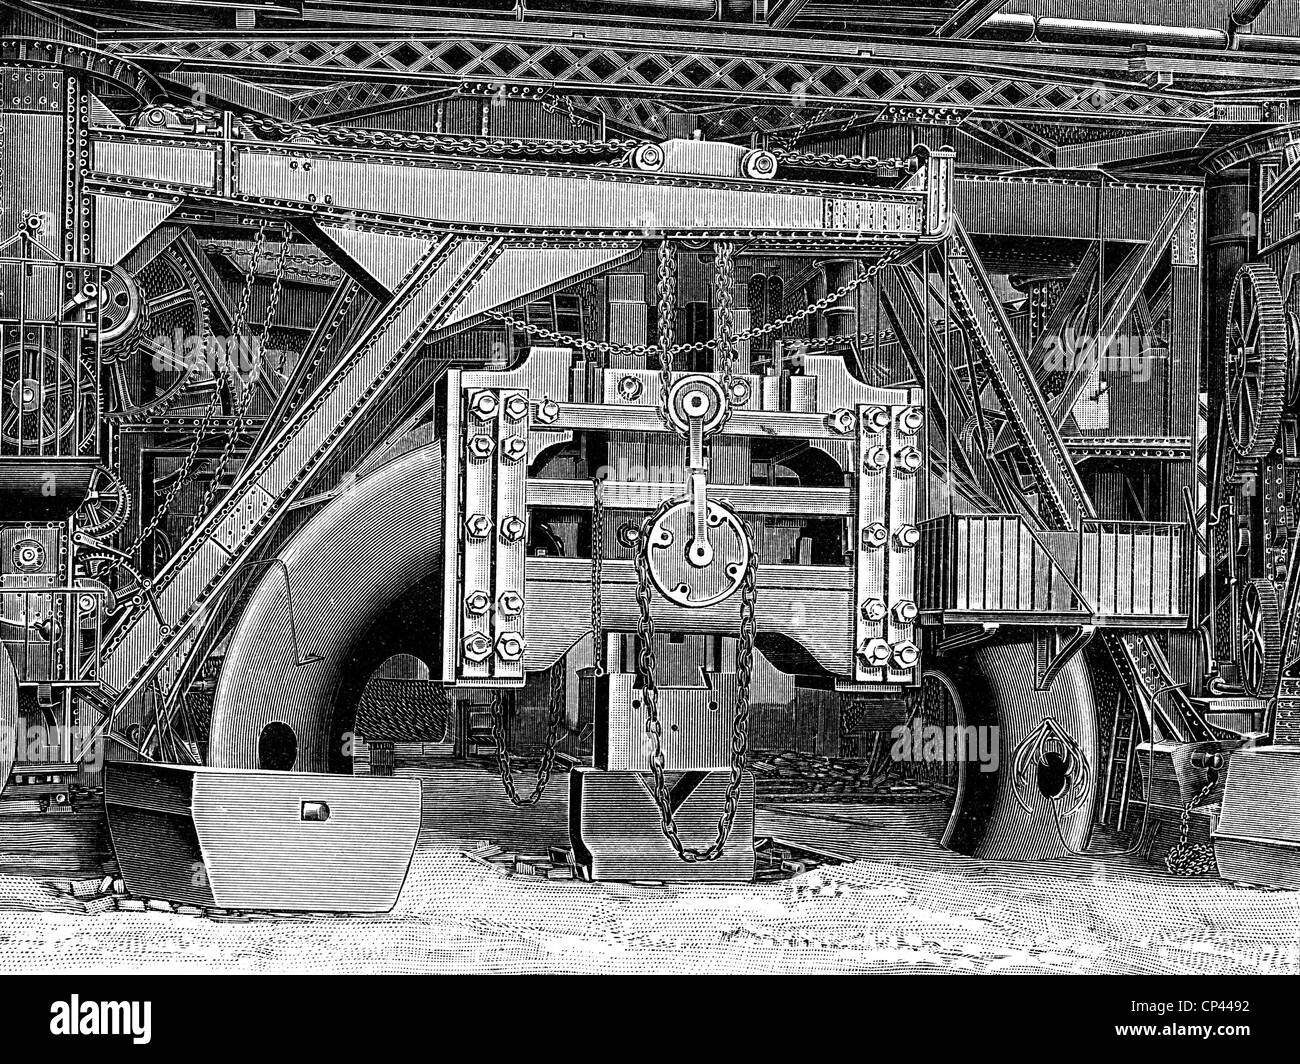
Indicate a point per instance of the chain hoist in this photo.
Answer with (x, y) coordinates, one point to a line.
(556, 729)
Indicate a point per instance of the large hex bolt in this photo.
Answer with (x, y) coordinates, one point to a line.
(511, 646)
(630, 387)
(477, 648)
(874, 536)
(481, 447)
(840, 421)
(484, 405)
(876, 418)
(548, 412)
(873, 609)
(478, 526)
(515, 408)
(512, 529)
(907, 536)
(908, 459)
(514, 449)
(739, 391)
(874, 653)
(905, 611)
(911, 420)
(477, 603)
(905, 654)
(511, 603)
(875, 459)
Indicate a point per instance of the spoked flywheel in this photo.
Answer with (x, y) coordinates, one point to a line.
(1261, 638)
(1257, 360)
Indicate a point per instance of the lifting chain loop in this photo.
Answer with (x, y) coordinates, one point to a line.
(1186, 858)
(597, 575)
(556, 729)
(646, 665)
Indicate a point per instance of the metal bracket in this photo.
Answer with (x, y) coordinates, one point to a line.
(1053, 649)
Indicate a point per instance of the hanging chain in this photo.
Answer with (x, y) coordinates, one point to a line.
(597, 575)
(605, 348)
(1186, 858)
(646, 665)
(666, 324)
(242, 390)
(724, 351)
(556, 729)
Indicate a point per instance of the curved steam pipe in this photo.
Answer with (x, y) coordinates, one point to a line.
(357, 585)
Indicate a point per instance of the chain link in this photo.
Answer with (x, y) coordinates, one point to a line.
(597, 575)
(1192, 859)
(556, 729)
(646, 666)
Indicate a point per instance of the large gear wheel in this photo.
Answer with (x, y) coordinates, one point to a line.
(1257, 361)
(152, 319)
(107, 505)
(1261, 638)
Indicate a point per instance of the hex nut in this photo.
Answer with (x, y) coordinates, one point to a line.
(514, 449)
(548, 412)
(874, 535)
(511, 646)
(873, 609)
(874, 653)
(484, 405)
(512, 529)
(906, 654)
(840, 422)
(515, 408)
(477, 648)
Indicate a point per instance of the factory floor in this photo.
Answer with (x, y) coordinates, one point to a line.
(903, 905)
